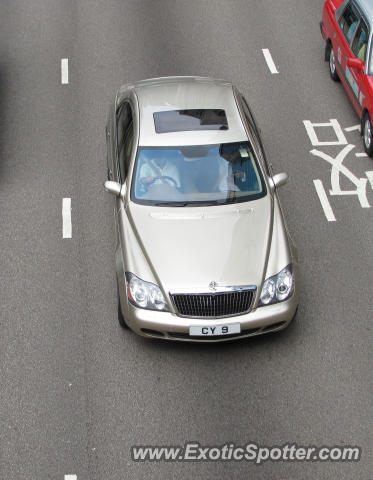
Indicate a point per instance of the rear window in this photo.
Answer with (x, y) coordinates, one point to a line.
(187, 120)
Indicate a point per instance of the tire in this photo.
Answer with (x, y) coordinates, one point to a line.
(294, 316)
(121, 319)
(332, 67)
(367, 132)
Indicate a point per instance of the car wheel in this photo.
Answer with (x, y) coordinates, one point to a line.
(368, 134)
(332, 66)
(121, 319)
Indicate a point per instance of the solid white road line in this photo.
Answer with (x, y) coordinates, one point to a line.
(269, 60)
(361, 155)
(370, 177)
(66, 218)
(71, 477)
(64, 71)
(351, 129)
(324, 201)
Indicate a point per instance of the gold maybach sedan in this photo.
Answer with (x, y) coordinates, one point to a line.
(202, 252)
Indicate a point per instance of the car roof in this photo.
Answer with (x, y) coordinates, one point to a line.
(183, 93)
(367, 7)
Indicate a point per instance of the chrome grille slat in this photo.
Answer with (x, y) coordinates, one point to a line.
(213, 305)
(242, 299)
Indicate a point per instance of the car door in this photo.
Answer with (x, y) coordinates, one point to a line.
(348, 24)
(359, 50)
(258, 146)
(123, 120)
(110, 144)
(125, 152)
(124, 147)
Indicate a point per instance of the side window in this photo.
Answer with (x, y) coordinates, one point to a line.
(359, 45)
(254, 129)
(124, 127)
(123, 114)
(127, 149)
(349, 21)
(249, 115)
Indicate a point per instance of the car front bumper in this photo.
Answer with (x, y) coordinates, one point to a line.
(169, 326)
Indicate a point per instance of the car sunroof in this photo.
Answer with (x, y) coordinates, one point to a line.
(187, 120)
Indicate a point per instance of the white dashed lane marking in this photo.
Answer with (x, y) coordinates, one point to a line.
(66, 219)
(269, 60)
(64, 71)
(71, 477)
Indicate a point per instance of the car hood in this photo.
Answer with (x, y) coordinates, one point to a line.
(191, 247)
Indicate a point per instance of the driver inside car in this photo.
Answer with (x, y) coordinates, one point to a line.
(160, 167)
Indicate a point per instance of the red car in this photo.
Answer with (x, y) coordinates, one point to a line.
(347, 28)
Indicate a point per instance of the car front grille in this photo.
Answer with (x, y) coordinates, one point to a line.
(217, 304)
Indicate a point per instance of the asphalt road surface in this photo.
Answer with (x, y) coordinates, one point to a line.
(76, 390)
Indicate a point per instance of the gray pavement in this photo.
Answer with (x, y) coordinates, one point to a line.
(76, 390)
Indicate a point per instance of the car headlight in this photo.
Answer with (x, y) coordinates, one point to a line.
(278, 288)
(145, 294)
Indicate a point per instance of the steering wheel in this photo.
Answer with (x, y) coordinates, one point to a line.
(164, 179)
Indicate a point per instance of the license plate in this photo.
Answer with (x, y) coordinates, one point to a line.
(214, 330)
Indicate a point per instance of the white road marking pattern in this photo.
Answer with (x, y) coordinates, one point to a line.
(370, 177)
(64, 71)
(337, 169)
(351, 129)
(334, 124)
(66, 218)
(71, 477)
(324, 201)
(269, 60)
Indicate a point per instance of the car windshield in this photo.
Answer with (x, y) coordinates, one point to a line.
(370, 70)
(197, 175)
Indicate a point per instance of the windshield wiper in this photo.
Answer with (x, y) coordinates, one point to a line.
(171, 204)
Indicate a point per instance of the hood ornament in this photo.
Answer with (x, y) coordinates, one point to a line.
(213, 285)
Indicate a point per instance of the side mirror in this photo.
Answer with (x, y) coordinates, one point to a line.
(356, 63)
(280, 179)
(115, 188)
